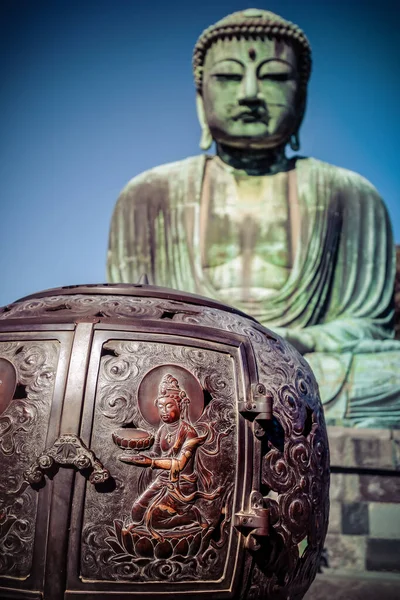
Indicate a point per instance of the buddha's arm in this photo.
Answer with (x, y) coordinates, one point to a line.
(338, 336)
(131, 236)
(359, 301)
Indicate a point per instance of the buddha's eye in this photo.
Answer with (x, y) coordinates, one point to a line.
(276, 77)
(276, 70)
(227, 77)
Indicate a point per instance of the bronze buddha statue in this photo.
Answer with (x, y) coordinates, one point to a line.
(303, 246)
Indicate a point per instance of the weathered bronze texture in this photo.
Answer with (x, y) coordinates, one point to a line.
(303, 246)
(397, 295)
(201, 430)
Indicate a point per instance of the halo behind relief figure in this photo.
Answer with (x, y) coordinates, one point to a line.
(148, 392)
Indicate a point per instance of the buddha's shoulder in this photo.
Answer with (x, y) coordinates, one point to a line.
(160, 176)
(339, 178)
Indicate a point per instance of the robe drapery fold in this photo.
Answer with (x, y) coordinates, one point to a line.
(338, 299)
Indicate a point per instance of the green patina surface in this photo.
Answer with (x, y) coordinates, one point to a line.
(304, 246)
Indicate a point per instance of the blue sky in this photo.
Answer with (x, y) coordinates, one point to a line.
(94, 92)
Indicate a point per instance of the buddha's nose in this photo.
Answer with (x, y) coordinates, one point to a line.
(250, 89)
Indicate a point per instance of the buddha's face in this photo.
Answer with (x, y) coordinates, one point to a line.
(249, 94)
(168, 409)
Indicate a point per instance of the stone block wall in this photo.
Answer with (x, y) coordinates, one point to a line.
(363, 541)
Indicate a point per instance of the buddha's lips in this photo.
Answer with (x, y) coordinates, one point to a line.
(252, 115)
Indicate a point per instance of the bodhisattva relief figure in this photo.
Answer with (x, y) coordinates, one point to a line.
(303, 246)
(168, 503)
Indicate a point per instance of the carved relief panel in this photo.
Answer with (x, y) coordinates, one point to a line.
(165, 422)
(190, 442)
(27, 381)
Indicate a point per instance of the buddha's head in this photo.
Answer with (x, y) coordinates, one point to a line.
(171, 399)
(251, 72)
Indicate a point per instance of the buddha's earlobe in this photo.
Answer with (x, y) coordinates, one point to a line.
(294, 142)
(206, 137)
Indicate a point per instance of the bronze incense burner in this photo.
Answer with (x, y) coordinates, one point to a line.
(154, 442)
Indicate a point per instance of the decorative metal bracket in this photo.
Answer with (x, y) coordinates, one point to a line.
(254, 524)
(259, 409)
(67, 450)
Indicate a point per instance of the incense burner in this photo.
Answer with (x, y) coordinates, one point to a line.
(153, 441)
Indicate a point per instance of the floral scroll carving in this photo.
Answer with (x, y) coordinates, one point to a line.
(80, 305)
(295, 476)
(131, 307)
(23, 428)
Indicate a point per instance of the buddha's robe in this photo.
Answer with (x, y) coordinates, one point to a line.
(336, 302)
(245, 235)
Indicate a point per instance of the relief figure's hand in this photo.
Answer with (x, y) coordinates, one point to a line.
(141, 460)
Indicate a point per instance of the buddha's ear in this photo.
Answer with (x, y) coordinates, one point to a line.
(206, 137)
(294, 140)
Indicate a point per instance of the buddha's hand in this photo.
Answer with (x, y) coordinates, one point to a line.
(140, 460)
(301, 339)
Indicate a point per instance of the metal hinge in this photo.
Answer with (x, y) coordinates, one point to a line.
(259, 408)
(255, 523)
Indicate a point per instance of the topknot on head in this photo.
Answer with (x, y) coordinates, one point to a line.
(168, 384)
(251, 24)
(169, 387)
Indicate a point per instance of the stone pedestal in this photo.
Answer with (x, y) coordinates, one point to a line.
(363, 541)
